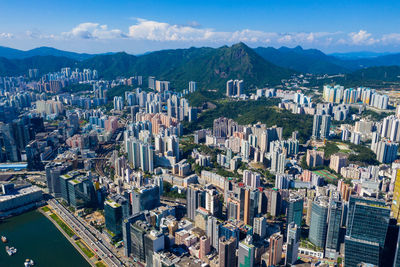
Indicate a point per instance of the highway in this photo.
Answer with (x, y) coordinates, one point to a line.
(96, 241)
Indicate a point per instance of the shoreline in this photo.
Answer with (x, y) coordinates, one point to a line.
(77, 248)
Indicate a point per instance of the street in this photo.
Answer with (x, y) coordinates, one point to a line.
(93, 239)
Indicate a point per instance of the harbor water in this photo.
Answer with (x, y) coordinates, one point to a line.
(36, 238)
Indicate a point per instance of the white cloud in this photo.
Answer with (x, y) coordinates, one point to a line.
(161, 31)
(193, 32)
(89, 30)
(391, 38)
(6, 35)
(362, 38)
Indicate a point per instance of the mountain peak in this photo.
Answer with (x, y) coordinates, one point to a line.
(240, 45)
(298, 48)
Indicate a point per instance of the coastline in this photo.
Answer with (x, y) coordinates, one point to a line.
(77, 248)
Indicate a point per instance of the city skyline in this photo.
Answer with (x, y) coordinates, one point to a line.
(137, 27)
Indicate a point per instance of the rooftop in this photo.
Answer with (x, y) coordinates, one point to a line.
(20, 192)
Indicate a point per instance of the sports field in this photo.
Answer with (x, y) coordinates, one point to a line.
(329, 177)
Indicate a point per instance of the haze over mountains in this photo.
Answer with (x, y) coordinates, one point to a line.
(210, 67)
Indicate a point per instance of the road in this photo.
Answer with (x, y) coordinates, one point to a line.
(95, 240)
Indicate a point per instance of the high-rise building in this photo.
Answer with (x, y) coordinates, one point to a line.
(81, 192)
(195, 198)
(152, 82)
(64, 185)
(213, 203)
(192, 87)
(321, 126)
(227, 252)
(251, 179)
(315, 158)
(251, 198)
(204, 247)
(118, 103)
(396, 197)
(274, 202)
(367, 226)
(397, 254)
(295, 209)
(145, 198)
(325, 126)
(386, 151)
(246, 253)
(138, 230)
(116, 209)
(212, 231)
(338, 161)
(162, 86)
(318, 225)
(126, 231)
(260, 227)
(53, 172)
(293, 242)
(140, 154)
(333, 232)
(229, 88)
(153, 242)
(229, 230)
(234, 88)
(278, 161)
(275, 249)
(316, 131)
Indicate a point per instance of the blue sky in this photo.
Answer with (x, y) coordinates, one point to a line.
(140, 26)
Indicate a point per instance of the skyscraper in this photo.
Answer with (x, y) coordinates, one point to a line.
(295, 209)
(386, 151)
(397, 255)
(195, 197)
(212, 231)
(333, 232)
(260, 227)
(318, 226)
(325, 126)
(152, 82)
(366, 232)
(275, 249)
(204, 247)
(316, 131)
(234, 88)
(145, 198)
(246, 253)
(396, 198)
(293, 242)
(251, 197)
(321, 126)
(116, 209)
(153, 242)
(138, 230)
(227, 252)
(192, 86)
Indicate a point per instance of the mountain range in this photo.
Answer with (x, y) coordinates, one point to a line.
(210, 67)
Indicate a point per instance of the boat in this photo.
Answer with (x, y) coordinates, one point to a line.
(28, 263)
(11, 250)
(3, 239)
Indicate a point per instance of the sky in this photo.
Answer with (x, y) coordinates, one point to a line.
(98, 26)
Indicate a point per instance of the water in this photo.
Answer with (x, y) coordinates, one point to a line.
(36, 238)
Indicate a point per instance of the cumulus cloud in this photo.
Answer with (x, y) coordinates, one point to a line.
(162, 31)
(391, 38)
(89, 30)
(362, 38)
(6, 35)
(156, 31)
